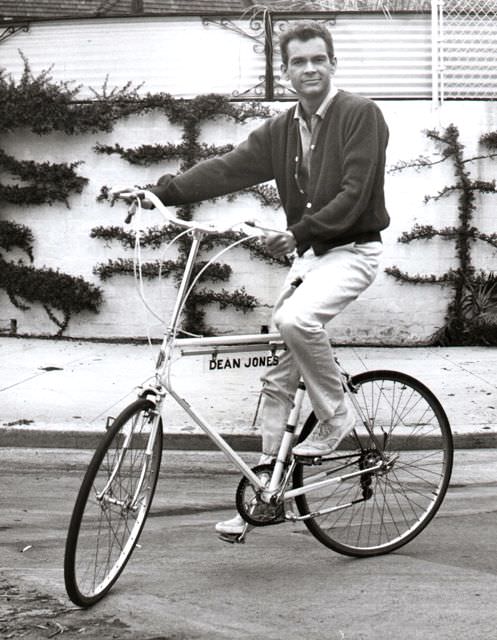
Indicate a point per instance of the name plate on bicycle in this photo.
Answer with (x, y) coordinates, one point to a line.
(246, 362)
(243, 348)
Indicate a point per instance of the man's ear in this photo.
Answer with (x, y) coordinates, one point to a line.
(334, 65)
(284, 71)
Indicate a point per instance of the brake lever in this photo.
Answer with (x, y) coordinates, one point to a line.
(265, 231)
(255, 225)
(131, 212)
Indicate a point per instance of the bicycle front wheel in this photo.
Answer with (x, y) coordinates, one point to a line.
(113, 503)
(402, 448)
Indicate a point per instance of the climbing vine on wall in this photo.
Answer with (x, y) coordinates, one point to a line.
(47, 182)
(41, 105)
(190, 114)
(38, 104)
(472, 313)
(14, 235)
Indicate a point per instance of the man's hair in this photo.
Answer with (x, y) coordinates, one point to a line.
(305, 30)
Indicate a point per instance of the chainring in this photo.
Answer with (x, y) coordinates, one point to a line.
(249, 504)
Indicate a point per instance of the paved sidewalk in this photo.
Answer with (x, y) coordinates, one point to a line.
(58, 393)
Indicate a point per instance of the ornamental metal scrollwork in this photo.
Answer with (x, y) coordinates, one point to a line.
(258, 90)
(259, 29)
(12, 29)
(264, 33)
(255, 24)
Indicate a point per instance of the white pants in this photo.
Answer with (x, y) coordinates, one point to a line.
(328, 284)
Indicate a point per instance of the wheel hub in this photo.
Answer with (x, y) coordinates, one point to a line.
(369, 460)
(250, 504)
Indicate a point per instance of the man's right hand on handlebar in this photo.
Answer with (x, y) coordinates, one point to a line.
(129, 196)
(146, 204)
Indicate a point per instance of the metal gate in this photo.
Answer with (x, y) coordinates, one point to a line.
(464, 40)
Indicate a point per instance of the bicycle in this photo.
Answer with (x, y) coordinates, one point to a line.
(379, 490)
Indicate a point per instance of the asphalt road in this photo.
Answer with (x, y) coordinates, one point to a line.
(184, 584)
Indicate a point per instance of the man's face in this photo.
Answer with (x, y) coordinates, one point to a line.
(309, 68)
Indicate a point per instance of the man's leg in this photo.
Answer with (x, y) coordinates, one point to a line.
(280, 385)
(329, 284)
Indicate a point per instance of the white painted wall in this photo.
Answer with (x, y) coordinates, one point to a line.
(388, 313)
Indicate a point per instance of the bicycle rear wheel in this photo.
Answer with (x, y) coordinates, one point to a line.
(378, 511)
(113, 503)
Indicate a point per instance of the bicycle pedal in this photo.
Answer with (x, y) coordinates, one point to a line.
(310, 460)
(232, 538)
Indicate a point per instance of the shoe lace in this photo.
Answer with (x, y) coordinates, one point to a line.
(320, 432)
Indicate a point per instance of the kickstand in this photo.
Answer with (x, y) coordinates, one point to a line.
(235, 538)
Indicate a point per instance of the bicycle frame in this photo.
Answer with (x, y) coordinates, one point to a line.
(226, 344)
(170, 343)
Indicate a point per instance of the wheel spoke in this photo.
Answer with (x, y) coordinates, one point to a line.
(113, 503)
(415, 446)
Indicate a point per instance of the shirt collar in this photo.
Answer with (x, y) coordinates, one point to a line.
(323, 107)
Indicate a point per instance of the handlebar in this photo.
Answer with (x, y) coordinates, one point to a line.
(135, 197)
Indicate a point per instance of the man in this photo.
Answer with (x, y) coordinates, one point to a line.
(327, 155)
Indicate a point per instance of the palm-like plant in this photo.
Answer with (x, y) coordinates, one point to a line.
(479, 308)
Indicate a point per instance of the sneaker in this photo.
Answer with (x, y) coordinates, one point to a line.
(233, 527)
(236, 525)
(326, 437)
(266, 458)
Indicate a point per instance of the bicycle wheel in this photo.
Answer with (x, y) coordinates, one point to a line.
(113, 503)
(401, 472)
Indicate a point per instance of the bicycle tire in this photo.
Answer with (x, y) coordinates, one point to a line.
(104, 530)
(388, 508)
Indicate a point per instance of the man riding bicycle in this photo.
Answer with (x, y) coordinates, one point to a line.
(327, 156)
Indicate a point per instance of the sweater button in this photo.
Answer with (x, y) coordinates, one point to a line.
(308, 205)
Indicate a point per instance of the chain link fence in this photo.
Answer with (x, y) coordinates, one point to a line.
(466, 46)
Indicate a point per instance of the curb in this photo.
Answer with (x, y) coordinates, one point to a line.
(74, 439)
(77, 439)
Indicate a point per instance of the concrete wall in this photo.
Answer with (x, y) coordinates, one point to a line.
(388, 313)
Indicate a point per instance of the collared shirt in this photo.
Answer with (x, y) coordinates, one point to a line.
(308, 136)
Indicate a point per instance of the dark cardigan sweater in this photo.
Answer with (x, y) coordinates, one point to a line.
(345, 200)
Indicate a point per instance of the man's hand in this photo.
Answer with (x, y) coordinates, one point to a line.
(122, 195)
(280, 244)
(146, 204)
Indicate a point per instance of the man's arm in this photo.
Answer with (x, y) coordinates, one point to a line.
(247, 165)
